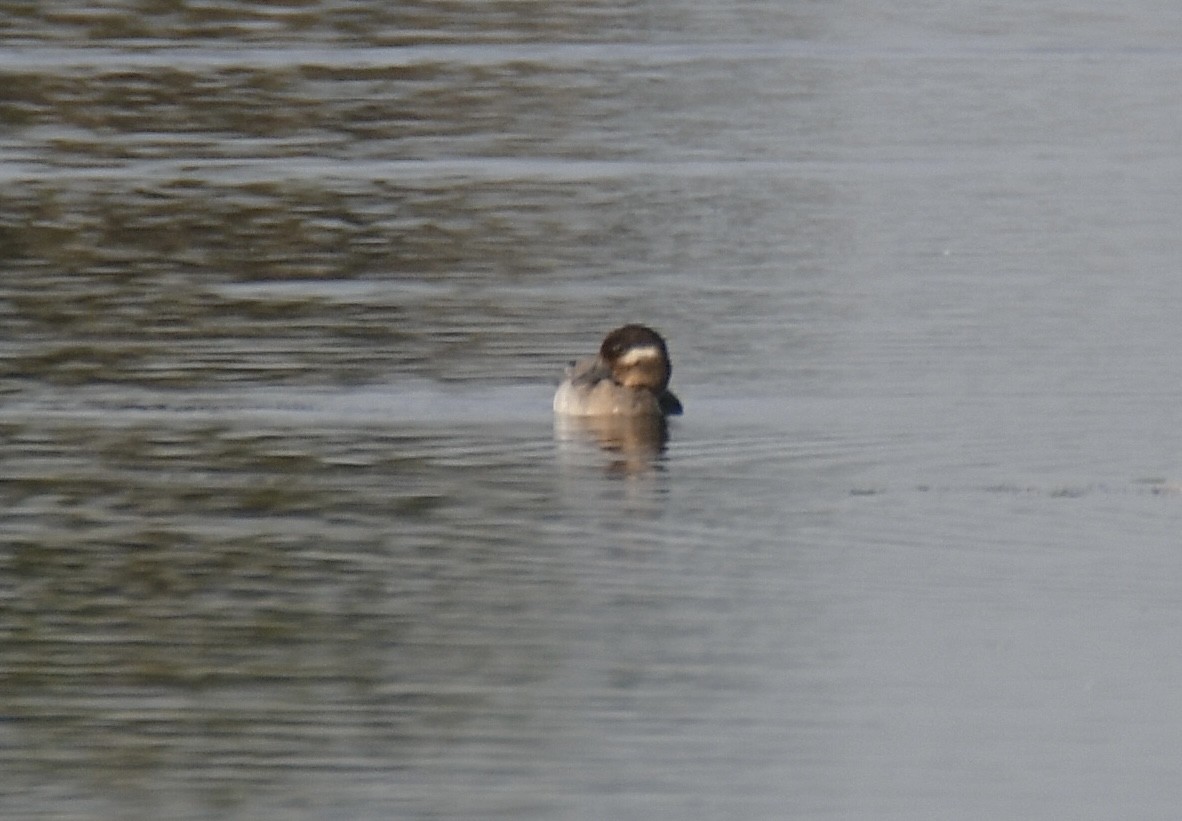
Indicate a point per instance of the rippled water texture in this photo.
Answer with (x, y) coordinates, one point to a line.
(287, 529)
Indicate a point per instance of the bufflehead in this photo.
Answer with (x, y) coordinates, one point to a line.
(629, 377)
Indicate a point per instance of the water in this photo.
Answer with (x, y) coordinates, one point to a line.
(288, 530)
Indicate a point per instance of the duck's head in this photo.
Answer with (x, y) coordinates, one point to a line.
(637, 357)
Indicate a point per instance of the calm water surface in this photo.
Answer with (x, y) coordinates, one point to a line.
(288, 531)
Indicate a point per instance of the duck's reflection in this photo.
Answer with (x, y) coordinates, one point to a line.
(636, 442)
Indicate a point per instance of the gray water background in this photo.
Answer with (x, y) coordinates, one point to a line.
(288, 530)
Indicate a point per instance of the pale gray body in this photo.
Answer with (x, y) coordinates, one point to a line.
(629, 377)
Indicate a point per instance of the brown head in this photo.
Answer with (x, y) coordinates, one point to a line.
(637, 358)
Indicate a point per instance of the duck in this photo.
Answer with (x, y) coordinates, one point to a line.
(629, 377)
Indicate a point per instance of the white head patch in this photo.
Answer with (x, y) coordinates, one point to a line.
(643, 353)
